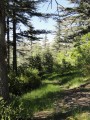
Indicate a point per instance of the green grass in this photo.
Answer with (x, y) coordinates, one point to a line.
(79, 116)
(45, 97)
(41, 92)
(40, 99)
(72, 81)
(68, 80)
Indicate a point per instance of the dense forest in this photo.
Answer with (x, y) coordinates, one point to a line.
(42, 79)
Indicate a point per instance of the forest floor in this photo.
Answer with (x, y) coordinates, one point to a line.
(60, 97)
(70, 103)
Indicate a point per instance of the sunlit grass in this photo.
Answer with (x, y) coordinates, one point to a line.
(44, 90)
(50, 91)
(76, 82)
(80, 116)
(39, 99)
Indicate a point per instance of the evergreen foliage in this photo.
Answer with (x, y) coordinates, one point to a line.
(45, 74)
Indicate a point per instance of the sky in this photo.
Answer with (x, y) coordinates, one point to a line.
(49, 24)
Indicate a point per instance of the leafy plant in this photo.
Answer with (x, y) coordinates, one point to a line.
(27, 80)
(48, 62)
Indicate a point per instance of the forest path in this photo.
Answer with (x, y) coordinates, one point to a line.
(69, 101)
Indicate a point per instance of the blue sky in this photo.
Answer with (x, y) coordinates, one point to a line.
(46, 8)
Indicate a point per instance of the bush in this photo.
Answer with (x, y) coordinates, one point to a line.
(12, 111)
(25, 81)
(35, 62)
(31, 78)
(65, 66)
(15, 85)
(48, 62)
(84, 54)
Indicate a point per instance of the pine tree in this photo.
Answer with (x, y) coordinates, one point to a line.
(74, 21)
(4, 92)
(80, 16)
(20, 12)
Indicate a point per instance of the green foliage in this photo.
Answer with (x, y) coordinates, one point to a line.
(44, 63)
(40, 99)
(66, 66)
(45, 98)
(12, 111)
(6, 111)
(27, 80)
(83, 51)
(35, 62)
(63, 62)
(15, 85)
(79, 115)
(31, 78)
(48, 62)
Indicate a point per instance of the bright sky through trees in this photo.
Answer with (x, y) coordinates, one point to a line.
(50, 23)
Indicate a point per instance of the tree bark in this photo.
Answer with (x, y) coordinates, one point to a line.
(14, 42)
(8, 45)
(4, 91)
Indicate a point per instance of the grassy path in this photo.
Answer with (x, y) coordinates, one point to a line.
(59, 98)
(72, 102)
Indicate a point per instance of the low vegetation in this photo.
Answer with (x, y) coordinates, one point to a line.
(43, 85)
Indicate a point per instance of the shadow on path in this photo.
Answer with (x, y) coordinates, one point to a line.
(70, 101)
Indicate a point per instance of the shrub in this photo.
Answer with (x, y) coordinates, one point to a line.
(65, 66)
(48, 62)
(25, 81)
(32, 79)
(15, 85)
(12, 111)
(35, 62)
(84, 54)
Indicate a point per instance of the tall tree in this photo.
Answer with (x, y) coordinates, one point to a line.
(21, 12)
(80, 16)
(4, 92)
(8, 42)
(74, 20)
(14, 39)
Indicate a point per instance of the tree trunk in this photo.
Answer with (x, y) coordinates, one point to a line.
(8, 45)
(14, 42)
(4, 91)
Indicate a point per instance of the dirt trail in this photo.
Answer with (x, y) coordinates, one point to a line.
(71, 100)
